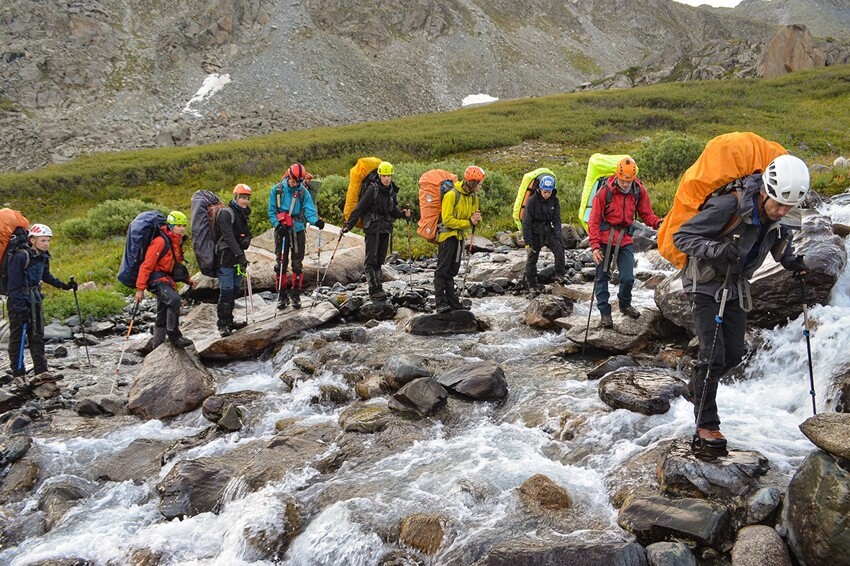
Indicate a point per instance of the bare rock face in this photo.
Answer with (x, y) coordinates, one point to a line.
(790, 49)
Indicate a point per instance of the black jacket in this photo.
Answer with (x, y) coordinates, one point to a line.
(542, 217)
(377, 206)
(234, 235)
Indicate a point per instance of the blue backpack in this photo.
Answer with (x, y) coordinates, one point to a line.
(140, 233)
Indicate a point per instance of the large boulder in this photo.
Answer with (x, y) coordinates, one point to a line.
(484, 381)
(193, 487)
(791, 48)
(758, 545)
(542, 311)
(422, 396)
(642, 390)
(816, 508)
(172, 381)
(628, 334)
(536, 552)
(401, 369)
(452, 322)
(658, 519)
(141, 460)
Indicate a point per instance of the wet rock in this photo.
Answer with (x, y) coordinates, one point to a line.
(60, 352)
(536, 552)
(89, 408)
(13, 448)
(421, 396)
(452, 322)
(400, 558)
(829, 432)
(10, 401)
(670, 554)
(641, 390)
(628, 334)
(369, 387)
(16, 528)
(113, 405)
(377, 310)
(21, 477)
(422, 532)
(140, 460)
(351, 306)
(758, 545)
(171, 382)
(542, 312)
(681, 472)
(540, 491)
(305, 364)
(215, 406)
(59, 497)
(364, 418)
(815, 512)
(657, 519)
(332, 394)
(762, 504)
(193, 487)
(356, 335)
(610, 364)
(233, 418)
(482, 381)
(401, 369)
(268, 540)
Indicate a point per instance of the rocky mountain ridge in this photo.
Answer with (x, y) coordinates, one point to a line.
(115, 74)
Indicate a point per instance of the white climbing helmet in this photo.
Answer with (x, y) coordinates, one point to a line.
(37, 230)
(786, 180)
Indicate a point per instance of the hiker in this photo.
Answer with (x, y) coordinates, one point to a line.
(378, 208)
(541, 226)
(459, 217)
(159, 272)
(719, 258)
(290, 206)
(27, 267)
(610, 226)
(234, 237)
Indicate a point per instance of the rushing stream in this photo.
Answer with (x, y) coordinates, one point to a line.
(468, 471)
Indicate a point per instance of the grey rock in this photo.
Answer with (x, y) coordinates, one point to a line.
(758, 545)
(484, 381)
(829, 432)
(657, 519)
(421, 396)
(641, 390)
(670, 554)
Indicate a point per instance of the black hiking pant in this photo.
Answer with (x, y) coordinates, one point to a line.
(729, 349)
(35, 340)
(377, 246)
(168, 304)
(283, 237)
(555, 243)
(449, 256)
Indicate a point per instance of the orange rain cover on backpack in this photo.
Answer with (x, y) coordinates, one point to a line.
(724, 159)
(431, 201)
(363, 167)
(9, 220)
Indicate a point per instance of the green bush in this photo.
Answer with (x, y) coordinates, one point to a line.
(109, 218)
(99, 304)
(667, 155)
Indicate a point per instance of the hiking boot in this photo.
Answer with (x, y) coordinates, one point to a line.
(179, 340)
(378, 295)
(45, 377)
(711, 438)
(296, 299)
(443, 309)
(225, 331)
(630, 311)
(238, 325)
(607, 321)
(282, 300)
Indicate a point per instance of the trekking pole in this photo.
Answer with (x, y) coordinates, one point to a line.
(409, 257)
(21, 366)
(718, 319)
(330, 261)
(250, 291)
(318, 258)
(589, 312)
(82, 325)
(280, 268)
(124, 347)
(806, 333)
(466, 263)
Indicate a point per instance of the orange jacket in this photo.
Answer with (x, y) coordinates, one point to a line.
(159, 262)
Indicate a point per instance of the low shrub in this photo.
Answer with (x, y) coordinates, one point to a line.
(99, 304)
(667, 155)
(109, 218)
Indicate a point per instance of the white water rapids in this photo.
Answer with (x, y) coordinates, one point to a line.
(495, 450)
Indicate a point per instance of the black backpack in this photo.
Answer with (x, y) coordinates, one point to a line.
(18, 241)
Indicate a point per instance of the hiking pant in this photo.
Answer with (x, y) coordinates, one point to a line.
(626, 266)
(729, 349)
(284, 237)
(555, 243)
(35, 340)
(449, 255)
(168, 304)
(377, 246)
(229, 282)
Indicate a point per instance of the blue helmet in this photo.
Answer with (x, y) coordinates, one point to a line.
(546, 183)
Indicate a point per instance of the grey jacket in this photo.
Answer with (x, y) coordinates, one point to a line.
(701, 236)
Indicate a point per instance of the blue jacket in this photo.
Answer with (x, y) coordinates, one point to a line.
(26, 269)
(303, 208)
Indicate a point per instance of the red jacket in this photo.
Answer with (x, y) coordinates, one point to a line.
(157, 262)
(619, 213)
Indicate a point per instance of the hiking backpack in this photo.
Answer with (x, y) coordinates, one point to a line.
(13, 235)
(599, 168)
(206, 206)
(433, 185)
(18, 241)
(140, 233)
(526, 188)
(725, 159)
(356, 178)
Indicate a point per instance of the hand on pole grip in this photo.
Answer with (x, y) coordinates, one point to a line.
(285, 219)
(798, 267)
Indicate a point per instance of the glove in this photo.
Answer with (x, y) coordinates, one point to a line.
(344, 230)
(68, 286)
(320, 224)
(727, 253)
(798, 267)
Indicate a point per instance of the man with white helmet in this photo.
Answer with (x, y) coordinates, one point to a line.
(26, 269)
(725, 243)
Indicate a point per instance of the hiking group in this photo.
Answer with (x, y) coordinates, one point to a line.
(726, 217)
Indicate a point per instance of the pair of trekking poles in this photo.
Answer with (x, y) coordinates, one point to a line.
(608, 262)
